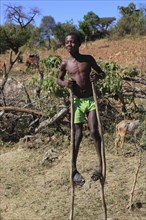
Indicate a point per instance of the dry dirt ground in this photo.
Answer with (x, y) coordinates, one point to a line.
(31, 190)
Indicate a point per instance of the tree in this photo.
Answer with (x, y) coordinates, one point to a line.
(93, 20)
(3, 42)
(62, 29)
(47, 28)
(94, 27)
(17, 30)
(85, 28)
(14, 37)
(105, 22)
(132, 21)
(34, 39)
(16, 15)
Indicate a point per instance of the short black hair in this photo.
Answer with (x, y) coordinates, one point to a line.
(78, 35)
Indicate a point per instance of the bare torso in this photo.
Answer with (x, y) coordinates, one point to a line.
(79, 71)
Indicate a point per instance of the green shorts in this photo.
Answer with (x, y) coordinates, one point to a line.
(81, 107)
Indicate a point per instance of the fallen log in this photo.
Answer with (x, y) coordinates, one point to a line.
(136, 80)
(54, 119)
(134, 89)
(25, 110)
(134, 95)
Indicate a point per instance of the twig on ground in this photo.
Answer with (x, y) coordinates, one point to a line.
(129, 206)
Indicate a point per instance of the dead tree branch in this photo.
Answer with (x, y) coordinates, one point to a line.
(55, 118)
(27, 95)
(40, 78)
(135, 95)
(17, 15)
(6, 71)
(25, 110)
(135, 89)
(136, 80)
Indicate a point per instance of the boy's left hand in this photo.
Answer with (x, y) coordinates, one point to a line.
(93, 77)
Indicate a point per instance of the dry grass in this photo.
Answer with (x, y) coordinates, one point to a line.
(30, 191)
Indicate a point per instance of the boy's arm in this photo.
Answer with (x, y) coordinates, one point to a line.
(100, 73)
(62, 73)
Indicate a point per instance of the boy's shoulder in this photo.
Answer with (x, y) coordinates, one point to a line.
(63, 65)
(87, 57)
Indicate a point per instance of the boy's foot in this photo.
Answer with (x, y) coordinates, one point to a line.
(78, 179)
(96, 175)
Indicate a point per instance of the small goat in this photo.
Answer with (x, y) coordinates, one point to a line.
(123, 128)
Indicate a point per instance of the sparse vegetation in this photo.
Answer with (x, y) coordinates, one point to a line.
(47, 187)
(35, 165)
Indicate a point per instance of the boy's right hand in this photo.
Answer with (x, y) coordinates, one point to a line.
(70, 83)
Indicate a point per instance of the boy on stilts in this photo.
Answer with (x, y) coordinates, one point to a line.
(79, 67)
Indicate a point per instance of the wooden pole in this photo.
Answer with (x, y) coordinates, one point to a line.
(129, 206)
(102, 181)
(72, 148)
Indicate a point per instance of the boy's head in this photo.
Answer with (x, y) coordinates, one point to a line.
(77, 37)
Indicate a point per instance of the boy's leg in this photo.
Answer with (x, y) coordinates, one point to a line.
(77, 141)
(78, 126)
(77, 177)
(93, 126)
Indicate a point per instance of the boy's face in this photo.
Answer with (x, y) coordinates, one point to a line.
(71, 44)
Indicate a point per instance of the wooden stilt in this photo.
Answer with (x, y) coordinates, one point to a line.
(72, 147)
(102, 181)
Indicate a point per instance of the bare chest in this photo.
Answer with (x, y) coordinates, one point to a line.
(74, 67)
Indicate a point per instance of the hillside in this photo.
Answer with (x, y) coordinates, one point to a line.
(34, 189)
(126, 52)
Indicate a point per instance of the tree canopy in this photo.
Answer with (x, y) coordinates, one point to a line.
(94, 27)
(17, 30)
(47, 27)
(62, 29)
(20, 30)
(132, 21)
